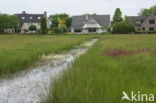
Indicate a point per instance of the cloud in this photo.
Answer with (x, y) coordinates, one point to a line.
(74, 7)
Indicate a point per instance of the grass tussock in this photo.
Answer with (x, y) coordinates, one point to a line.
(96, 78)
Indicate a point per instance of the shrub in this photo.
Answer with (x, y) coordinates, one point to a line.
(106, 28)
(32, 28)
(57, 30)
(123, 27)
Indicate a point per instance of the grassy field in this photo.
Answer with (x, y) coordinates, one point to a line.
(19, 52)
(116, 63)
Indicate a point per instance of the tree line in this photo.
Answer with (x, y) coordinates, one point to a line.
(7, 21)
(60, 23)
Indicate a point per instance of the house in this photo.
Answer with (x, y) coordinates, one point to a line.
(26, 20)
(144, 23)
(9, 30)
(88, 24)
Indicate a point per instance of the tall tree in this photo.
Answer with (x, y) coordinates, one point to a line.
(44, 26)
(147, 12)
(117, 16)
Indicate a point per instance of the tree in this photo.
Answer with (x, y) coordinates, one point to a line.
(55, 19)
(44, 26)
(32, 28)
(8, 22)
(13, 20)
(117, 16)
(60, 23)
(148, 12)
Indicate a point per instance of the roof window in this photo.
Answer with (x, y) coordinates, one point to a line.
(23, 18)
(39, 18)
(31, 17)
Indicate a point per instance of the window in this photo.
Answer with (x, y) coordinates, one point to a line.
(23, 18)
(29, 23)
(138, 22)
(91, 23)
(77, 31)
(26, 30)
(31, 17)
(92, 30)
(151, 21)
(39, 18)
(143, 28)
(151, 28)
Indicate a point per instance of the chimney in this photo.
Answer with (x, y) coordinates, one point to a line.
(45, 14)
(24, 12)
(87, 16)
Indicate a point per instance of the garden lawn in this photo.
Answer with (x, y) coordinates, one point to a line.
(114, 64)
(19, 52)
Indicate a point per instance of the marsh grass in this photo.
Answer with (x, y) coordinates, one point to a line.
(96, 78)
(19, 52)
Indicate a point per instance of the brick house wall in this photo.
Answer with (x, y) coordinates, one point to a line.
(147, 25)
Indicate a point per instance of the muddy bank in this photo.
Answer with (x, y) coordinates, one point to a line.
(32, 86)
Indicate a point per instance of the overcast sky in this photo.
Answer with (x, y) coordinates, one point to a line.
(75, 7)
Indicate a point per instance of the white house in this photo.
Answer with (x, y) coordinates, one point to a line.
(87, 24)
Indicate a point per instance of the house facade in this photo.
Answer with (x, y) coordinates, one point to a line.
(89, 24)
(144, 23)
(26, 20)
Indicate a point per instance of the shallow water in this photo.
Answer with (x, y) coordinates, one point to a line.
(32, 86)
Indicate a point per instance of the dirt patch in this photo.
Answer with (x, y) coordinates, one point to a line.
(117, 52)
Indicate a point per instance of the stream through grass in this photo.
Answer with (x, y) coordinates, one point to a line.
(33, 86)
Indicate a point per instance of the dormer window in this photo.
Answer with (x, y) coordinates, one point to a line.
(39, 18)
(31, 17)
(23, 18)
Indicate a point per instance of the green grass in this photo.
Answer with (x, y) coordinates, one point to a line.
(96, 78)
(19, 52)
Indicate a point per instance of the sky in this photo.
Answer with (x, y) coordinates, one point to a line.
(75, 7)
